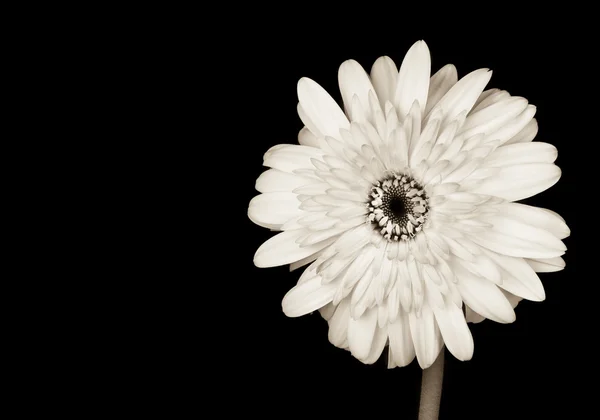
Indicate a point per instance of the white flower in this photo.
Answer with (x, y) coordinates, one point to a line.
(405, 204)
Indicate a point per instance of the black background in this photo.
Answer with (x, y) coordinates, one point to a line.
(519, 371)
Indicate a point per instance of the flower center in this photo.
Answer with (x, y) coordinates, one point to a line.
(398, 206)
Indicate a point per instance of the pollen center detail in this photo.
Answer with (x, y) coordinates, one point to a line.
(398, 207)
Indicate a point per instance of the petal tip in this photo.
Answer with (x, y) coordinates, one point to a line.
(421, 44)
(540, 296)
(285, 307)
(450, 69)
(424, 364)
(350, 62)
(258, 261)
(464, 356)
(304, 83)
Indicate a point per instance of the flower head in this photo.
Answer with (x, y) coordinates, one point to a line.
(403, 205)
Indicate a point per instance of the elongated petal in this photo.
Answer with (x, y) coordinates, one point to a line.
(307, 138)
(484, 267)
(514, 227)
(304, 261)
(512, 299)
(518, 153)
(321, 109)
(282, 249)
(426, 336)
(508, 131)
(518, 277)
(402, 350)
(307, 297)
(527, 134)
(273, 180)
(462, 96)
(361, 332)
(537, 217)
(483, 296)
(354, 81)
(327, 311)
(454, 330)
(440, 84)
(472, 316)
(493, 117)
(384, 76)
(546, 265)
(338, 324)
(380, 339)
(290, 157)
(514, 246)
(517, 182)
(274, 208)
(413, 79)
(489, 97)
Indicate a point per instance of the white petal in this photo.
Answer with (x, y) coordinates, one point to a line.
(354, 81)
(472, 316)
(402, 350)
(462, 96)
(353, 240)
(484, 267)
(307, 297)
(289, 157)
(433, 292)
(536, 216)
(483, 296)
(489, 97)
(546, 265)
(274, 208)
(412, 124)
(518, 277)
(312, 127)
(514, 154)
(463, 170)
(361, 332)
(301, 263)
(508, 131)
(312, 189)
(427, 136)
(325, 235)
(379, 342)
(445, 188)
(520, 181)
(514, 227)
(321, 109)
(493, 117)
(514, 246)
(454, 330)
(440, 84)
(413, 79)
(357, 110)
(426, 336)
(273, 180)
(327, 311)
(512, 299)
(434, 171)
(384, 75)
(527, 134)
(282, 249)
(338, 324)
(399, 147)
(307, 138)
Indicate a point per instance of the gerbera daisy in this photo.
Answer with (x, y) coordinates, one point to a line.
(404, 206)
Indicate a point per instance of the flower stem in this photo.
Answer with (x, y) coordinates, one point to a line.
(431, 389)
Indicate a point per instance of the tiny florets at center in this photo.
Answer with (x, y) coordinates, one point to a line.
(398, 207)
